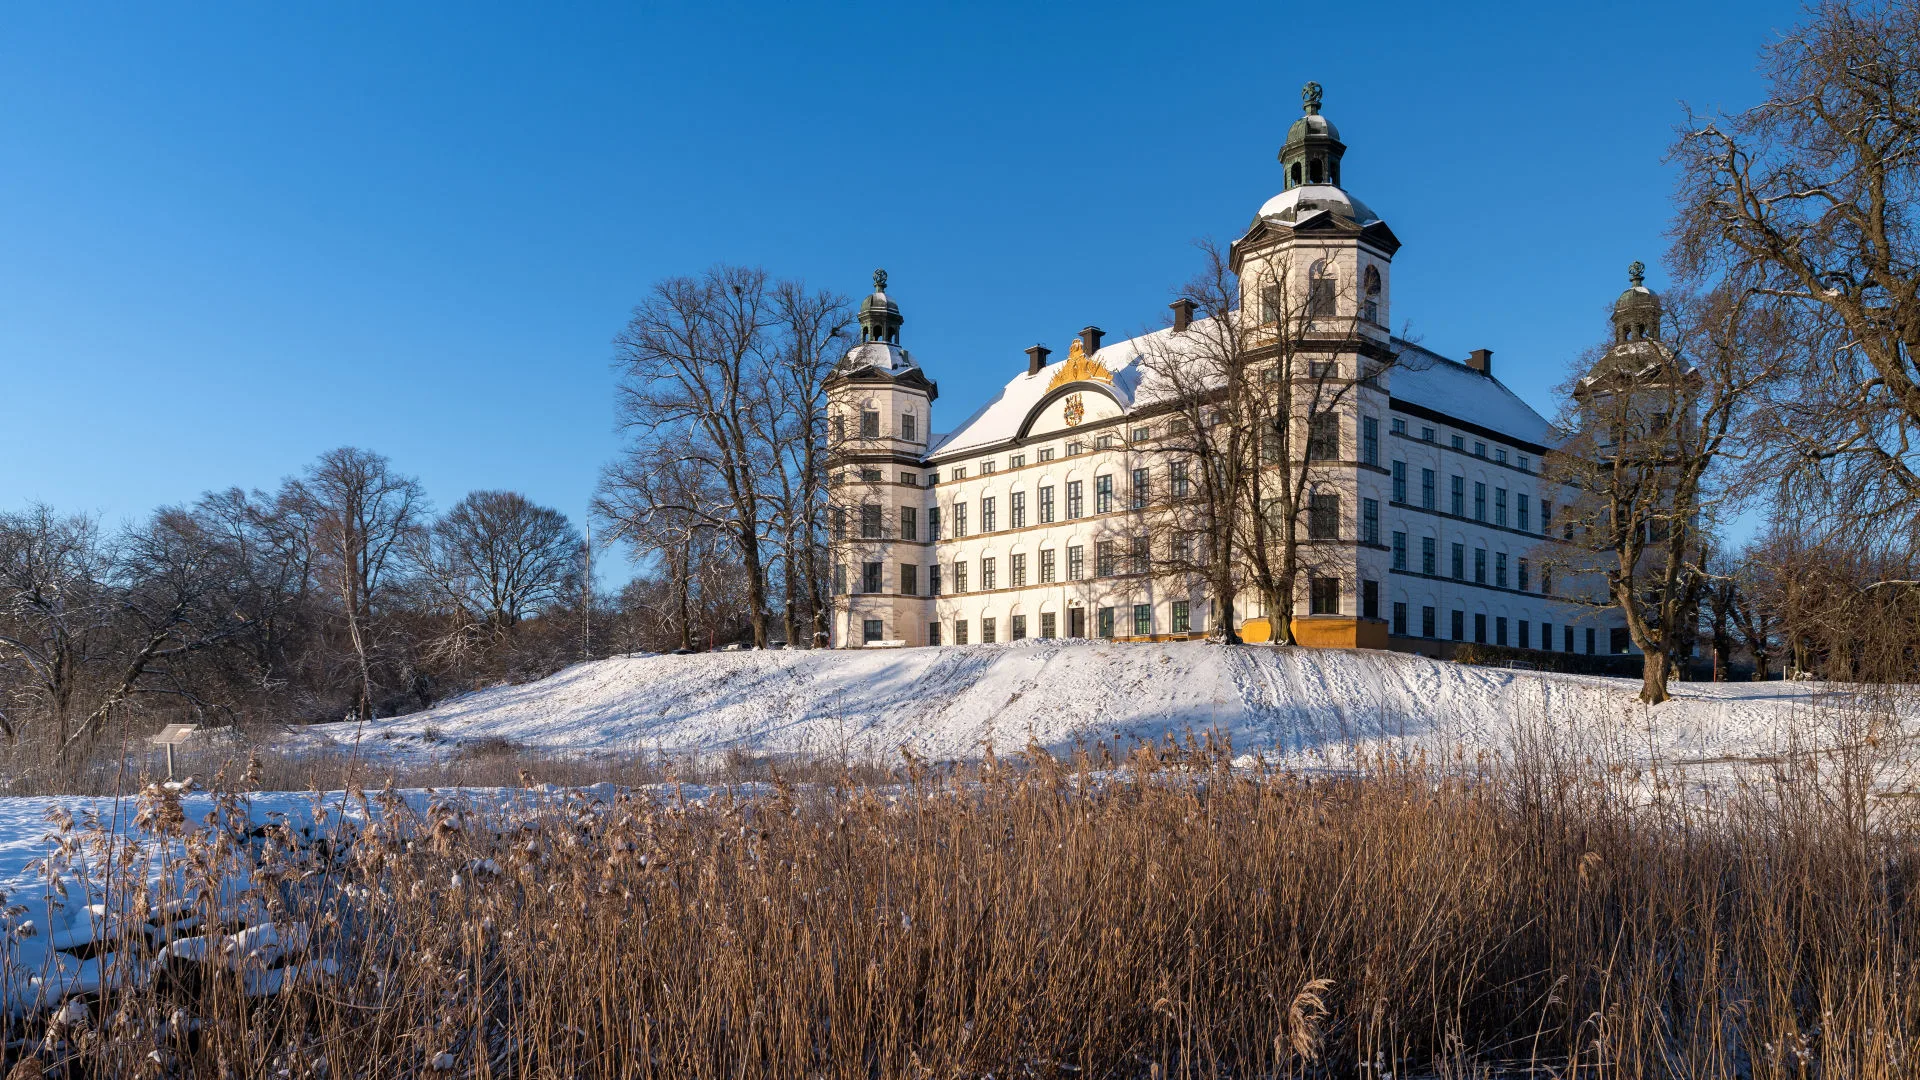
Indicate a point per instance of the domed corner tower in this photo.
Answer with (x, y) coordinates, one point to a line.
(1315, 256)
(880, 501)
(1637, 359)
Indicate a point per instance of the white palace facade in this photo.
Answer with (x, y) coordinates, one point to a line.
(1025, 518)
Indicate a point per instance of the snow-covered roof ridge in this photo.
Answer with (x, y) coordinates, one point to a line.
(1000, 419)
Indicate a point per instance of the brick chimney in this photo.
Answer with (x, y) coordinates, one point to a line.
(1481, 360)
(1090, 339)
(1182, 314)
(1036, 358)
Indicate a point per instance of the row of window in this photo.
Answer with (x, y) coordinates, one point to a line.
(1459, 442)
(1046, 508)
(1429, 628)
(1108, 561)
(1457, 566)
(870, 426)
(1109, 622)
(1457, 500)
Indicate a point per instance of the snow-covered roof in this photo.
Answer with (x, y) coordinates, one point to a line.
(1000, 418)
(1449, 387)
(1295, 205)
(1421, 377)
(877, 354)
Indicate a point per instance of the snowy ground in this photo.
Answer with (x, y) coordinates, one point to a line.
(1306, 708)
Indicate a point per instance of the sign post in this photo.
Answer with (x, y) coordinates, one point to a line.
(171, 736)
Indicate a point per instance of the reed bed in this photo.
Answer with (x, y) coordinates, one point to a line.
(1160, 915)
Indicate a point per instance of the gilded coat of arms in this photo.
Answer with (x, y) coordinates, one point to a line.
(1076, 409)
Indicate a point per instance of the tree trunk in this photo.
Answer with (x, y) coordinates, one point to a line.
(1653, 676)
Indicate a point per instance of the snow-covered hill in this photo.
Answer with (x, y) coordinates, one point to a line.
(1306, 707)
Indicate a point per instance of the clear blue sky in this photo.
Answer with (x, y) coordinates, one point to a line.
(234, 236)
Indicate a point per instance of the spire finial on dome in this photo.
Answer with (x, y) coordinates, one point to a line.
(1310, 98)
(1637, 272)
(879, 281)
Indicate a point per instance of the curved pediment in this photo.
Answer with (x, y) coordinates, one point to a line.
(1069, 405)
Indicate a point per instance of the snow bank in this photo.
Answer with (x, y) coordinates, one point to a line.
(1304, 707)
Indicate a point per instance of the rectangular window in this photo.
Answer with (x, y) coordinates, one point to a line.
(1500, 569)
(1182, 621)
(1526, 634)
(1479, 449)
(933, 580)
(959, 520)
(870, 424)
(959, 631)
(1323, 517)
(1479, 501)
(1400, 618)
(1400, 481)
(1429, 562)
(908, 529)
(988, 516)
(1426, 435)
(870, 577)
(1369, 599)
(870, 522)
(1459, 562)
(933, 523)
(1049, 625)
(1075, 449)
(988, 632)
(1103, 558)
(1523, 576)
(1103, 623)
(1429, 622)
(1076, 562)
(1017, 570)
(1370, 521)
(1019, 629)
(1523, 464)
(871, 631)
(1270, 305)
(1143, 620)
(1546, 518)
(910, 579)
(1139, 559)
(1546, 636)
(1500, 630)
(1323, 437)
(1459, 626)
(959, 472)
(1499, 506)
(1479, 628)
(909, 427)
(1500, 454)
(986, 468)
(959, 576)
(839, 523)
(1141, 489)
(1045, 454)
(1520, 510)
(1141, 434)
(839, 580)
(1075, 505)
(1589, 641)
(1370, 441)
(1017, 509)
(1324, 594)
(1426, 489)
(1046, 566)
(1457, 442)
(933, 633)
(1480, 565)
(1459, 495)
(989, 574)
(1046, 505)
(1103, 494)
(1399, 551)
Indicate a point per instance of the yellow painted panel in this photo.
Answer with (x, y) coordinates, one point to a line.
(1256, 631)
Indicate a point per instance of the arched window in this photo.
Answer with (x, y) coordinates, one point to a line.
(1313, 171)
(1372, 301)
(1296, 174)
(1320, 294)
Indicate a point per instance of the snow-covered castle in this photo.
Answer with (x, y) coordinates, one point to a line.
(1432, 522)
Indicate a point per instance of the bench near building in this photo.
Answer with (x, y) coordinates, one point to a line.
(1029, 518)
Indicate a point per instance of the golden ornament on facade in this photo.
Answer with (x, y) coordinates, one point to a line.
(1076, 409)
(1079, 367)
